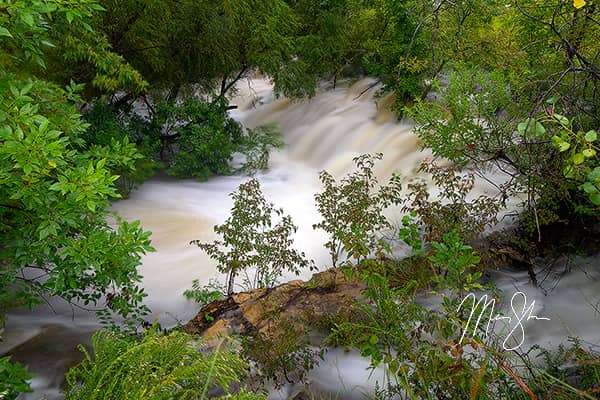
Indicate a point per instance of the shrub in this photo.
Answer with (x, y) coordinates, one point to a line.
(191, 139)
(205, 294)
(352, 210)
(452, 209)
(198, 138)
(253, 242)
(255, 147)
(116, 132)
(482, 121)
(282, 355)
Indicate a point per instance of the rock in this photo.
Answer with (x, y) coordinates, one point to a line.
(208, 315)
(218, 329)
(245, 297)
(328, 293)
(258, 310)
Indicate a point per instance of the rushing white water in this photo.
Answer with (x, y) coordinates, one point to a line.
(323, 133)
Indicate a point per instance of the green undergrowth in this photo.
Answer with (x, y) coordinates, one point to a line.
(158, 366)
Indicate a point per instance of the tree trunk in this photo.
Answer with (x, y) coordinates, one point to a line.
(230, 281)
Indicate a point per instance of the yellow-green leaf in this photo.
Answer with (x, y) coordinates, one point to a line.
(588, 153)
(563, 146)
(591, 136)
(578, 3)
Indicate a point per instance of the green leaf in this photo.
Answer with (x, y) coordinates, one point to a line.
(588, 153)
(27, 169)
(591, 136)
(5, 32)
(539, 129)
(521, 128)
(44, 233)
(594, 175)
(27, 18)
(530, 128)
(25, 89)
(14, 91)
(569, 171)
(578, 158)
(562, 119)
(563, 146)
(552, 100)
(589, 187)
(595, 199)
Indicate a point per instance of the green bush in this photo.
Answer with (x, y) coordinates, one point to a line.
(205, 294)
(190, 139)
(256, 145)
(452, 209)
(118, 131)
(54, 196)
(256, 241)
(159, 366)
(352, 210)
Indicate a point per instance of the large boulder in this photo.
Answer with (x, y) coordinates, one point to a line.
(328, 293)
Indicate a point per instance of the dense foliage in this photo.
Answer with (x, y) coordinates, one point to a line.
(57, 235)
(159, 366)
(533, 113)
(193, 138)
(14, 379)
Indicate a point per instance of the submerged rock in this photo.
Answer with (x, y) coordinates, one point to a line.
(48, 359)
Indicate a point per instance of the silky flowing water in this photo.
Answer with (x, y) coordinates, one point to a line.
(323, 133)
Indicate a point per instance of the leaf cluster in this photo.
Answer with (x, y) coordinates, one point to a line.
(352, 210)
(256, 241)
(14, 379)
(205, 294)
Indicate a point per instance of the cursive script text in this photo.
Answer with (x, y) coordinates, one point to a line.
(520, 309)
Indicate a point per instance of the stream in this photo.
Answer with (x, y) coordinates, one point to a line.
(325, 132)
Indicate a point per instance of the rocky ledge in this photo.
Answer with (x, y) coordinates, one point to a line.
(326, 294)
